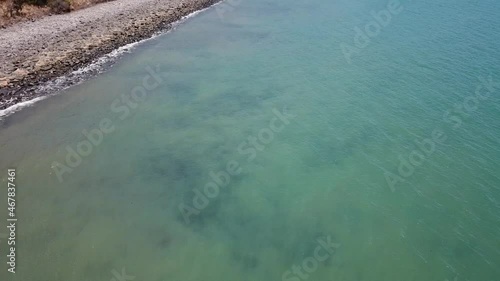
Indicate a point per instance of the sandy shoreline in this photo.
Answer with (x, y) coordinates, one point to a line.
(32, 53)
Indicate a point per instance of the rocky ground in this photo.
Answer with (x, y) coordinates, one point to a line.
(35, 52)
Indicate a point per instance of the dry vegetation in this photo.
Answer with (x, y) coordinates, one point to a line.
(79, 4)
(12, 11)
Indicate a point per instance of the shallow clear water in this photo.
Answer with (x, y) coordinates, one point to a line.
(305, 144)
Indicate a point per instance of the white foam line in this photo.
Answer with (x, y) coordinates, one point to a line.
(96, 66)
(18, 106)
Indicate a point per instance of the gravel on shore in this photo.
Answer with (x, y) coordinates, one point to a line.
(35, 52)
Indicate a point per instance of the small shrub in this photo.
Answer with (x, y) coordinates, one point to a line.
(14, 7)
(36, 2)
(59, 6)
(17, 5)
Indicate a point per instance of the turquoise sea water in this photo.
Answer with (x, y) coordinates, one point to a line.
(389, 153)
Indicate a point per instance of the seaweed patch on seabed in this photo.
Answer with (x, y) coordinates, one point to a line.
(182, 93)
(92, 269)
(160, 236)
(232, 102)
(303, 245)
(211, 213)
(322, 251)
(168, 166)
(248, 261)
(334, 150)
